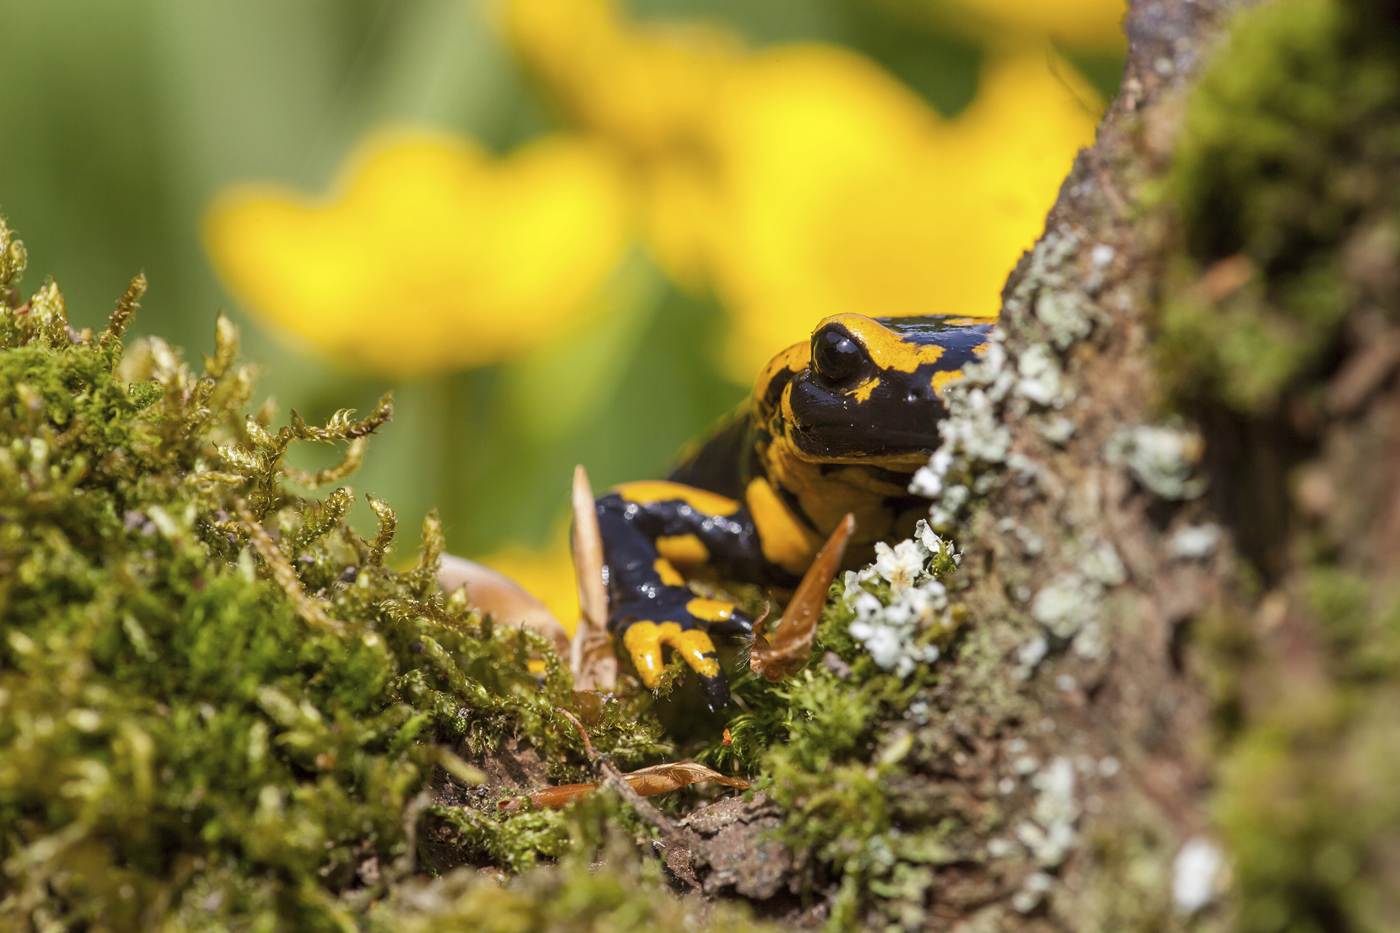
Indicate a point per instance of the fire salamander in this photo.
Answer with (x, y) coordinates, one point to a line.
(835, 425)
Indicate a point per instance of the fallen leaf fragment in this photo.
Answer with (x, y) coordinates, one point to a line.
(592, 658)
(647, 782)
(507, 601)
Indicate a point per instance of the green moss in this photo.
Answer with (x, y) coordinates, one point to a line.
(218, 705)
(610, 889)
(1288, 188)
(1289, 143)
(221, 708)
(832, 744)
(1307, 803)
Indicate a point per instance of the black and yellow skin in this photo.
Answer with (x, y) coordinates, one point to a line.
(837, 424)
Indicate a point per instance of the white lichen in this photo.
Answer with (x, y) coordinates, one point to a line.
(1042, 381)
(1050, 834)
(1051, 307)
(1057, 430)
(1032, 892)
(1196, 875)
(1066, 604)
(895, 630)
(1162, 458)
(1194, 542)
(1102, 564)
(1029, 655)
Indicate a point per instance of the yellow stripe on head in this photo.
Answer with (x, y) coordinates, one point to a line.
(888, 350)
(861, 393)
(792, 360)
(941, 379)
(646, 492)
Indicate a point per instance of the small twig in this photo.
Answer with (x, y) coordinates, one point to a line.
(587, 742)
(612, 778)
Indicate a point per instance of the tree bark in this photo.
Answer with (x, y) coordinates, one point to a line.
(1175, 708)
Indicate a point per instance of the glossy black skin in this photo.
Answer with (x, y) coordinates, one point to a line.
(901, 414)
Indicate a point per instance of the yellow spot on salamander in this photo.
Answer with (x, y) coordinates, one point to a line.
(694, 645)
(861, 393)
(941, 379)
(643, 641)
(711, 610)
(785, 540)
(683, 549)
(667, 573)
(649, 491)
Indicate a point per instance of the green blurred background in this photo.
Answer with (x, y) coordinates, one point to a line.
(123, 119)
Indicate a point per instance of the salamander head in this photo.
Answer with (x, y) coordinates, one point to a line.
(867, 390)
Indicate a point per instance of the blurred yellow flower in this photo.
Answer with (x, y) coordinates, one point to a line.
(1081, 24)
(428, 254)
(844, 192)
(804, 181)
(547, 573)
(648, 87)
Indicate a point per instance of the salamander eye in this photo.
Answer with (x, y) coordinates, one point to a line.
(836, 356)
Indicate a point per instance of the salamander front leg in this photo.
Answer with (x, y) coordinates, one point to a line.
(644, 637)
(649, 605)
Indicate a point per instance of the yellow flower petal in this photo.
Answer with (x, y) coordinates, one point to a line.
(647, 87)
(805, 181)
(428, 254)
(844, 192)
(650, 90)
(1085, 24)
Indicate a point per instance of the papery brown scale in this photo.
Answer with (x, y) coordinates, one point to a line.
(791, 646)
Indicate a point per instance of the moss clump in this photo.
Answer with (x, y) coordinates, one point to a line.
(1289, 149)
(578, 894)
(1307, 790)
(1288, 186)
(836, 747)
(218, 705)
